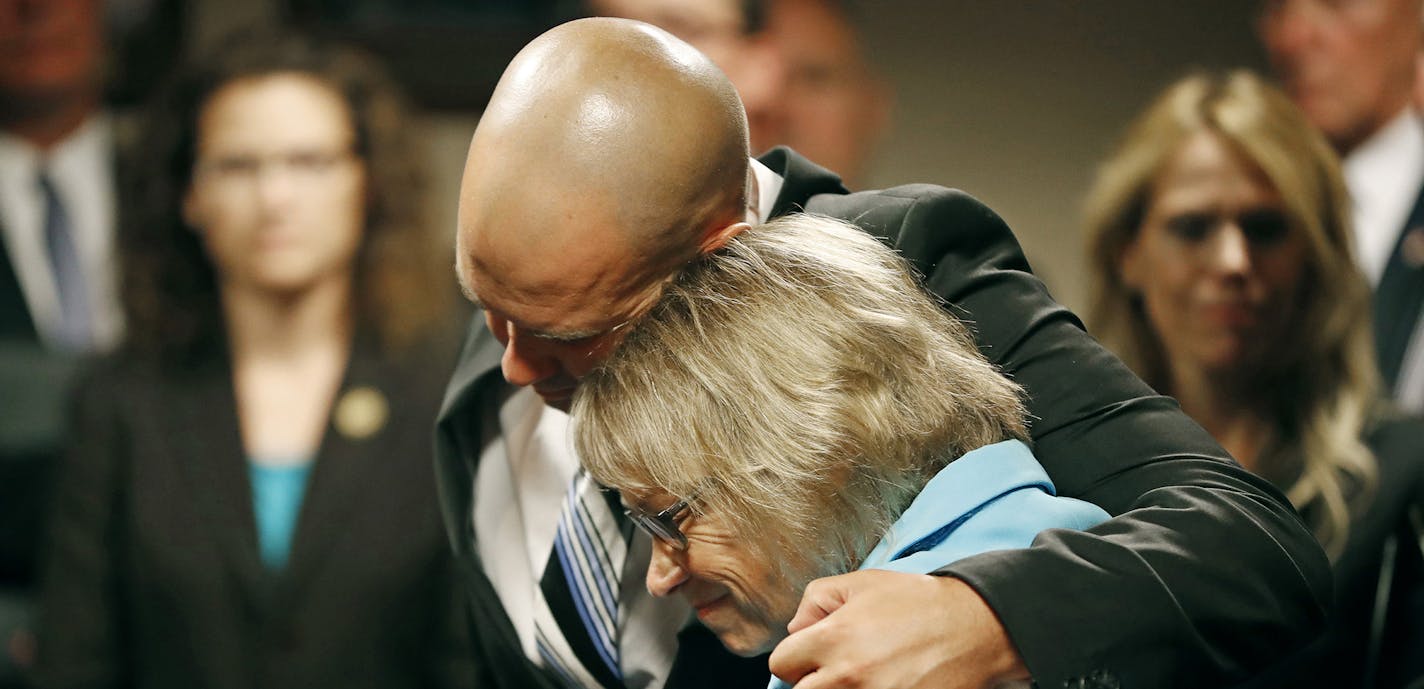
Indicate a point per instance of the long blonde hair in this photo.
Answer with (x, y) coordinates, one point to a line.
(1325, 385)
(802, 385)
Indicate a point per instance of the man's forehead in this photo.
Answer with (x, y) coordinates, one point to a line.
(563, 295)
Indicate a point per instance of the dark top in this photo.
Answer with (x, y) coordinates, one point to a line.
(153, 577)
(1206, 574)
(1390, 619)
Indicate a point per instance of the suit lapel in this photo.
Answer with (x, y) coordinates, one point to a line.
(1399, 299)
(15, 319)
(468, 416)
(479, 356)
(345, 462)
(803, 179)
(459, 436)
(209, 453)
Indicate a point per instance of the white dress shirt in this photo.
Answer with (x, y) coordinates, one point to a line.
(81, 168)
(1385, 175)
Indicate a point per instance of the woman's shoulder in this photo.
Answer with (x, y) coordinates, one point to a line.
(127, 371)
(414, 373)
(1397, 442)
(110, 374)
(1398, 445)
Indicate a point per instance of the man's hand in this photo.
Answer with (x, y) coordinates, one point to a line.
(887, 629)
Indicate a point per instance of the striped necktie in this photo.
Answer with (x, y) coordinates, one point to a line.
(76, 322)
(576, 624)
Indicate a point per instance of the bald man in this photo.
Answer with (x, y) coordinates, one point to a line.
(611, 155)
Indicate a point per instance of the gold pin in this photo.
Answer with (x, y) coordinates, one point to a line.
(1412, 249)
(361, 412)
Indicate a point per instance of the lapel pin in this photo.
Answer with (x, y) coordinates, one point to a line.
(1412, 249)
(361, 412)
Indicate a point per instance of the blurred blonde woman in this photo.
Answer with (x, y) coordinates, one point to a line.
(1224, 276)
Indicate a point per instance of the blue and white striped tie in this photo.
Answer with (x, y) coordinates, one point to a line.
(577, 629)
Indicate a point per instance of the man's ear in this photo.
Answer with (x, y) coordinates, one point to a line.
(717, 237)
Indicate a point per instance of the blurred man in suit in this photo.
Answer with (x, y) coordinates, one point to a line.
(834, 107)
(1350, 66)
(798, 65)
(732, 34)
(57, 300)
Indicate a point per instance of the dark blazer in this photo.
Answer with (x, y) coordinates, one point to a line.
(153, 577)
(1374, 633)
(1399, 299)
(36, 380)
(26, 376)
(16, 323)
(1207, 574)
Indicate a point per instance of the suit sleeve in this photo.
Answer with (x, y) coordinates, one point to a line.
(1204, 573)
(80, 632)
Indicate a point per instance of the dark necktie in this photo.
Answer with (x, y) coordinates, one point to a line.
(76, 320)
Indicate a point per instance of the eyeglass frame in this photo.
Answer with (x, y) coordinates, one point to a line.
(663, 526)
(242, 170)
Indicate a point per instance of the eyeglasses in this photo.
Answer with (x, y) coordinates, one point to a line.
(308, 166)
(663, 526)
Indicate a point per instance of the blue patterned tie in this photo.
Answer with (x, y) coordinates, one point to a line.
(580, 587)
(76, 321)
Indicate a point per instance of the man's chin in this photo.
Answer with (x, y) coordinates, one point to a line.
(561, 398)
(560, 403)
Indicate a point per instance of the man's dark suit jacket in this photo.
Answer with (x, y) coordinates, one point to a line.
(1207, 574)
(35, 383)
(15, 319)
(153, 577)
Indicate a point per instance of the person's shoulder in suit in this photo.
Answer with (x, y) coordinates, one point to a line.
(1339, 656)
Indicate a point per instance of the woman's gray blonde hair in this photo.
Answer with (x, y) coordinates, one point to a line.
(1324, 382)
(802, 385)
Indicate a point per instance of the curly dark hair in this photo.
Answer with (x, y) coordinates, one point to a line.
(169, 288)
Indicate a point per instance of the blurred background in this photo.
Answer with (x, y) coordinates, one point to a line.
(1012, 102)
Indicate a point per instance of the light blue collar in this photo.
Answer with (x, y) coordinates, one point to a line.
(957, 492)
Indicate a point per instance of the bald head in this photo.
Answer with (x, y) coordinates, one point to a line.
(609, 153)
(619, 112)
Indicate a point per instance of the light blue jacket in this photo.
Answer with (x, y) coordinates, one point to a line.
(994, 498)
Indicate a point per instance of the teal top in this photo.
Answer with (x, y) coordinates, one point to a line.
(997, 497)
(277, 493)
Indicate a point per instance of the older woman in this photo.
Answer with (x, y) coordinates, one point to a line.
(249, 501)
(796, 406)
(1224, 271)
